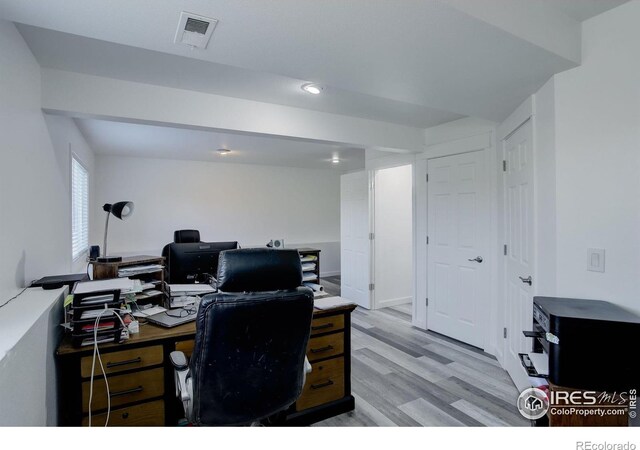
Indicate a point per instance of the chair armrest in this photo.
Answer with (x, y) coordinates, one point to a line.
(182, 380)
(179, 361)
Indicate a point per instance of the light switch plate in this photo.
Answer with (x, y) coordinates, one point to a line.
(595, 259)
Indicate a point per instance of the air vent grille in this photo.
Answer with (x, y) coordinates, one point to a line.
(196, 26)
(194, 30)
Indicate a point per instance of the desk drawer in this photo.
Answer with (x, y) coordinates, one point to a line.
(115, 362)
(150, 414)
(124, 389)
(186, 347)
(325, 346)
(324, 384)
(327, 324)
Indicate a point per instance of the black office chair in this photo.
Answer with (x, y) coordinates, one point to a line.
(186, 236)
(249, 360)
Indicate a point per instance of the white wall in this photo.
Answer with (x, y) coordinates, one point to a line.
(393, 236)
(35, 234)
(35, 205)
(246, 203)
(598, 161)
(545, 191)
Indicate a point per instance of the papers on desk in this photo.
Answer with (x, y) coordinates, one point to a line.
(179, 290)
(124, 284)
(308, 258)
(137, 270)
(308, 266)
(331, 302)
(149, 311)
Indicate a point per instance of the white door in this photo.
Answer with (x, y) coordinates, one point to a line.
(518, 189)
(354, 237)
(458, 251)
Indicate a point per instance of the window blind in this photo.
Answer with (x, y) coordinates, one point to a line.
(79, 209)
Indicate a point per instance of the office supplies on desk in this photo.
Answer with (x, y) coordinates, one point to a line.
(144, 313)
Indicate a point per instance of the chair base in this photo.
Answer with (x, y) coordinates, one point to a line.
(322, 412)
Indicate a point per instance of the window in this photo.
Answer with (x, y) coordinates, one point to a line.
(79, 209)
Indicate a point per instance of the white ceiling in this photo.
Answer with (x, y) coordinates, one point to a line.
(148, 141)
(73, 53)
(418, 63)
(401, 61)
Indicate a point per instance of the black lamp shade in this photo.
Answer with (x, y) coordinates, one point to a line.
(121, 210)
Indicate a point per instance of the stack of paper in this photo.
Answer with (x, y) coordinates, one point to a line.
(137, 270)
(125, 285)
(331, 302)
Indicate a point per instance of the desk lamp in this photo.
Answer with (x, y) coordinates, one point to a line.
(121, 210)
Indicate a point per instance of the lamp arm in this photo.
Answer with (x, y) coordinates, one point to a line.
(106, 228)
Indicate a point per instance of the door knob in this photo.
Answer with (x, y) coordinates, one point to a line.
(526, 280)
(477, 259)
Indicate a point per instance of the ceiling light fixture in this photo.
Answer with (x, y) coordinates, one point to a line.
(312, 88)
(335, 160)
(223, 151)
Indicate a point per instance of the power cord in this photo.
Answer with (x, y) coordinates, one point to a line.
(14, 297)
(96, 352)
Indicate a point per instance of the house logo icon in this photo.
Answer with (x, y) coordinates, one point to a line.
(533, 403)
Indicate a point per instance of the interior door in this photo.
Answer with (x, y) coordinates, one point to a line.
(354, 238)
(458, 251)
(518, 190)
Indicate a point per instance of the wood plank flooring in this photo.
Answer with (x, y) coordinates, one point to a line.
(403, 376)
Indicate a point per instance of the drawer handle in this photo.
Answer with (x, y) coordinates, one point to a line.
(322, 327)
(111, 365)
(321, 349)
(125, 415)
(125, 392)
(322, 385)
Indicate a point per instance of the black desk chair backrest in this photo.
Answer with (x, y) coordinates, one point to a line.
(186, 236)
(251, 339)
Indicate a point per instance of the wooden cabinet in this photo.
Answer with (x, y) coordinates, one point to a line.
(327, 389)
(103, 271)
(141, 378)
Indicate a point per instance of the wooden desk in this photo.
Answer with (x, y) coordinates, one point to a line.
(141, 379)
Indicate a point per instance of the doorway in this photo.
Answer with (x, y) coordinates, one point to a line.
(392, 228)
(459, 237)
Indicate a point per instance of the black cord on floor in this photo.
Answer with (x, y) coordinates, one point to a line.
(13, 298)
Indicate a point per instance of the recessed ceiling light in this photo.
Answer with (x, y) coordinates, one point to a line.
(335, 160)
(312, 88)
(223, 151)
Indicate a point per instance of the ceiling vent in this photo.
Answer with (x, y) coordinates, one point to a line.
(194, 30)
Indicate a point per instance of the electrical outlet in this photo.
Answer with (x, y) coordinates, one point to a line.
(595, 259)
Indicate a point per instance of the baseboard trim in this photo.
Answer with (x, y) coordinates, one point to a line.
(329, 274)
(393, 302)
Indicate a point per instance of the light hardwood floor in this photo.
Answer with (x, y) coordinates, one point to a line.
(403, 376)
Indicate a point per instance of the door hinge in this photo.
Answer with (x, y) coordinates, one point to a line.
(427, 301)
(372, 236)
(427, 240)
(426, 177)
(504, 165)
(505, 250)
(505, 332)
(372, 286)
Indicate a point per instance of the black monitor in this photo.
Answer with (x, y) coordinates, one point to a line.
(194, 261)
